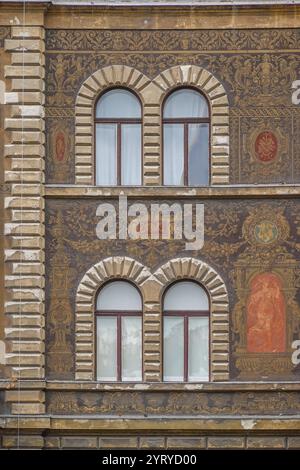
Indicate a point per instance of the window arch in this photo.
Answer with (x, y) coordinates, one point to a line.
(186, 132)
(186, 333)
(119, 332)
(118, 138)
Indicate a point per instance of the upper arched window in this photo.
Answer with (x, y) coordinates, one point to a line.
(186, 333)
(118, 136)
(186, 139)
(119, 333)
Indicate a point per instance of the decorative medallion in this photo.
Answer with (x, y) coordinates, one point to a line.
(266, 146)
(265, 227)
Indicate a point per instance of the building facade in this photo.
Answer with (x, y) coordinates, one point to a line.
(150, 88)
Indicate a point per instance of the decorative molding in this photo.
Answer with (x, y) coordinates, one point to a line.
(152, 94)
(151, 287)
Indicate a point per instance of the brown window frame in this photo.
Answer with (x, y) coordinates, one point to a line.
(118, 315)
(186, 122)
(186, 314)
(119, 122)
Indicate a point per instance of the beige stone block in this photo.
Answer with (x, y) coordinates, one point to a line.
(27, 242)
(85, 92)
(220, 367)
(83, 150)
(25, 216)
(30, 150)
(118, 443)
(216, 92)
(85, 102)
(152, 180)
(225, 442)
(153, 93)
(220, 101)
(24, 396)
(24, 124)
(84, 179)
(83, 131)
(26, 45)
(79, 375)
(25, 281)
(28, 373)
(23, 229)
(18, 137)
(79, 442)
(15, 333)
(186, 443)
(25, 294)
(220, 140)
(84, 120)
(150, 442)
(220, 130)
(26, 110)
(24, 360)
(27, 346)
(27, 409)
(212, 83)
(27, 85)
(220, 180)
(23, 203)
(34, 442)
(27, 32)
(220, 376)
(24, 307)
(30, 190)
(33, 176)
(265, 442)
(27, 164)
(30, 58)
(16, 71)
(24, 255)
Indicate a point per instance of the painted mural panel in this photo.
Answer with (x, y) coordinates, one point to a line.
(266, 315)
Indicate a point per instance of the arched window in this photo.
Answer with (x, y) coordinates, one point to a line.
(186, 333)
(186, 139)
(118, 133)
(119, 333)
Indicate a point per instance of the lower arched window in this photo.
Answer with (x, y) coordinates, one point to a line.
(119, 333)
(186, 333)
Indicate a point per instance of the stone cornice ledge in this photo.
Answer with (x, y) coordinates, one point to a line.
(218, 192)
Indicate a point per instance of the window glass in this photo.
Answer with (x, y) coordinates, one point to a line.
(118, 103)
(131, 348)
(173, 349)
(107, 348)
(119, 296)
(186, 103)
(186, 296)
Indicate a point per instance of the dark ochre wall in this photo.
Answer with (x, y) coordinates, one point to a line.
(243, 239)
(256, 67)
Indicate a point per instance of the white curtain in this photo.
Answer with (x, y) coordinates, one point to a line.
(131, 154)
(173, 166)
(131, 348)
(186, 103)
(198, 365)
(173, 357)
(106, 154)
(106, 348)
(198, 141)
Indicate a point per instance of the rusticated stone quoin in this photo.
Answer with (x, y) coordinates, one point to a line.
(24, 228)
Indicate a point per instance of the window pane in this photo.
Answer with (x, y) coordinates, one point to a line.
(131, 154)
(118, 103)
(198, 155)
(173, 154)
(186, 296)
(107, 348)
(186, 103)
(106, 154)
(174, 349)
(119, 296)
(198, 349)
(131, 348)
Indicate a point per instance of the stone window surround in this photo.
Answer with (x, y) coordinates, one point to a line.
(152, 94)
(152, 287)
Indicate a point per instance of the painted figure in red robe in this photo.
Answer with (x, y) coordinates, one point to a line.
(266, 312)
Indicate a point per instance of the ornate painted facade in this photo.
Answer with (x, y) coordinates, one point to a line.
(55, 60)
